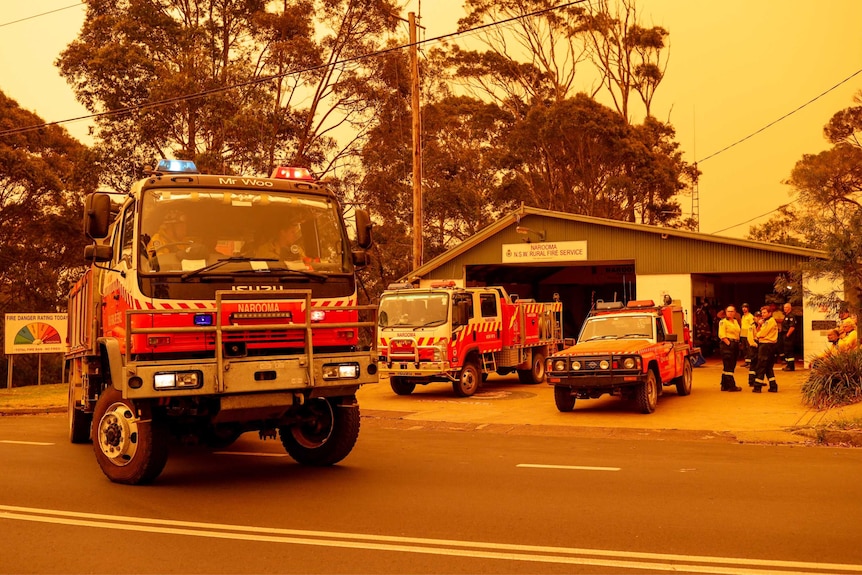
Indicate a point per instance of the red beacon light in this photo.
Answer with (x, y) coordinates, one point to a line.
(443, 284)
(292, 173)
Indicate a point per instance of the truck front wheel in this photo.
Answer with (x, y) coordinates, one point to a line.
(326, 433)
(563, 398)
(131, 447)
(468, 380)
(647, 393)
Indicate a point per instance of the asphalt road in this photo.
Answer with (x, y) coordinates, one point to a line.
(429, 500)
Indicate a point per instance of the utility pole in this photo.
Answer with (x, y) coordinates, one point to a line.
(417, 145)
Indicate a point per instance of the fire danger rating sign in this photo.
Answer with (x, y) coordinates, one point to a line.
(35, 333)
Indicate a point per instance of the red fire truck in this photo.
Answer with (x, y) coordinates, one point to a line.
(196, 319)
(444, 333)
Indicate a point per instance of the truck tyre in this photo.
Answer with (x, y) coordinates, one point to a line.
(131, 448)
(325, 434)
(646, 395)
(468, 380)
(537, 373)
(401, 385)
(683, 382)
(563, 398)
(79, 422)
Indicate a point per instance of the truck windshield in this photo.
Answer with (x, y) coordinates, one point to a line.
(184, 231)
(617, 327)
(405, 309)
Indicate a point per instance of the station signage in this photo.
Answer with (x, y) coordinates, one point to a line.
(544, 252)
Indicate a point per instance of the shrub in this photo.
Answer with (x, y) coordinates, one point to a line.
(834, 380)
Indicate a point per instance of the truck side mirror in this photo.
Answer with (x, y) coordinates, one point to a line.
(363, 229)
(98, 253)
(97, 216)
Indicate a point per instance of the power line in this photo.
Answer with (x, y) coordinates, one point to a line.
(196, 95)
(788, 114)
(79, 4)
(754, 218)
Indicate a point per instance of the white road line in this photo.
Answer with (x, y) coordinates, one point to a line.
(470, 549)
(40, 443)
(569, 467)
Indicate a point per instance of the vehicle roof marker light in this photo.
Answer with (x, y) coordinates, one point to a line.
(292, 173)
(177, 167)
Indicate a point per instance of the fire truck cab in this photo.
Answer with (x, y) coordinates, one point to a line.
(216, 305)
(456, 335)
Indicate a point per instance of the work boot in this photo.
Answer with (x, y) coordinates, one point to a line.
(773, 387)
(791, 365)
(756, 388)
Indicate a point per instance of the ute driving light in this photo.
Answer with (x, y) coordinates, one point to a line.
(604, 364)
(576, 366)
(559, 365)
(341, 371)
(178, 380)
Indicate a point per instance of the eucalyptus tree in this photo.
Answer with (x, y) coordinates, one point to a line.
(237, 85)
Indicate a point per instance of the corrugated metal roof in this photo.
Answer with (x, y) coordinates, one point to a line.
(655, 249)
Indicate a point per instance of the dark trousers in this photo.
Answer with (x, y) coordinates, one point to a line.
(765, 362)
(729, 356)
(789, 346)
(744, 352)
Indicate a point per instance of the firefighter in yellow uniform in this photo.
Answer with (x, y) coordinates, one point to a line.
(172, 235)
(767, 339)
(728, 335)
(847, 340)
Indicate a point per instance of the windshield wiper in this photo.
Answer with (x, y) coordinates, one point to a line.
(646, 335)
(606, 336)
(221, 262)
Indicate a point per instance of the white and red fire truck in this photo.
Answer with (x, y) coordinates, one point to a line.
(445, 333)
(194, 321)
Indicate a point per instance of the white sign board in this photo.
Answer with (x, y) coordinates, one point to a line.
(544, 252)
(35, 333)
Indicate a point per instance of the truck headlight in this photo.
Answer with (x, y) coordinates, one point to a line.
(341, 371)
(604, 364)
(630, 363)
(178, 380)
(559, 365)
(576, 366)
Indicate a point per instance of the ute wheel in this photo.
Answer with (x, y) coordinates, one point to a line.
(130, 448)
(401, 385)
(683, 382)
(563, 398)
(646, 395)
(468, 380)
(326, 432)
(537, 373)
(79, 422)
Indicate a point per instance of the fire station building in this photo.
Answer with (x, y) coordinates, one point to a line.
(538, 254)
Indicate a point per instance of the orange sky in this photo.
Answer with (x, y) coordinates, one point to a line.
(735, 66)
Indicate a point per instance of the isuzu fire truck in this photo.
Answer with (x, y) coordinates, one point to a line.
(445, 333)
(632, 351)
(193, 320)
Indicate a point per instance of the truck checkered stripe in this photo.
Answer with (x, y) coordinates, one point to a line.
(421, 341)
(479, 328)
(210, 304)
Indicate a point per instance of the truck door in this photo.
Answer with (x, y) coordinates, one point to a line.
(667, 354)
(488, 326)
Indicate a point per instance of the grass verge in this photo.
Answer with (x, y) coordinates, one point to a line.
(34, 396)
